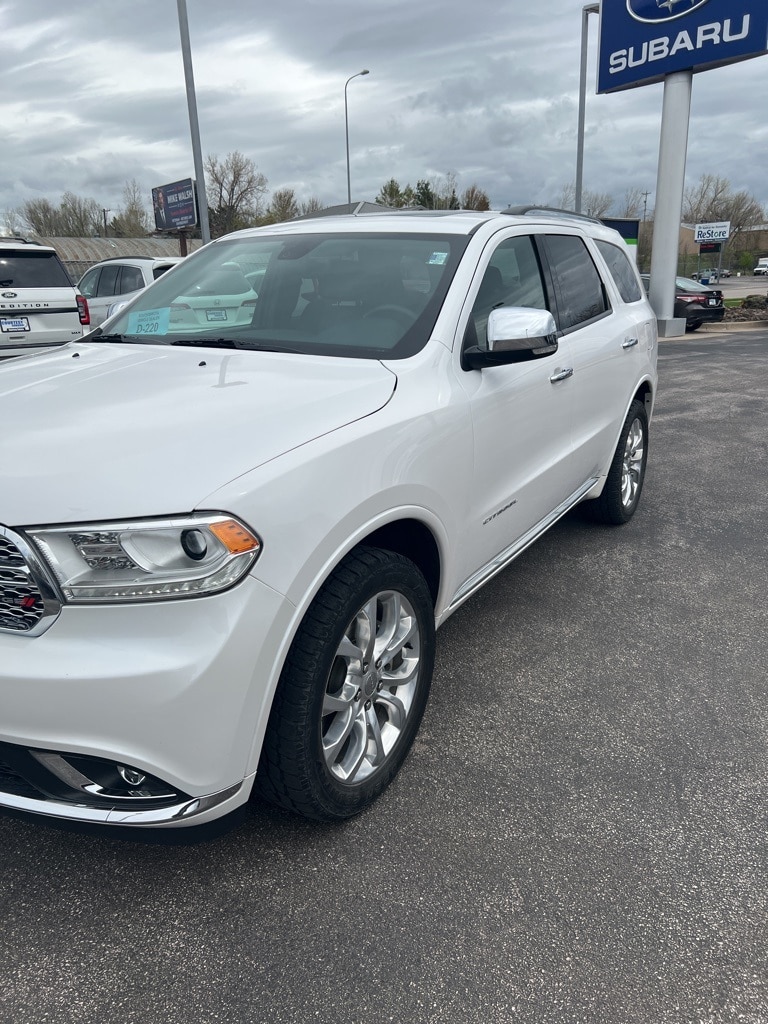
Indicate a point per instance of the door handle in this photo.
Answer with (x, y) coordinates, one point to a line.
(561, 375)
(630, 342)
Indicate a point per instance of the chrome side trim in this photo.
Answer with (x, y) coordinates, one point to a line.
(176, 815)
(502, 560)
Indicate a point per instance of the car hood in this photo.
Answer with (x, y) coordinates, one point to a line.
(96, 431)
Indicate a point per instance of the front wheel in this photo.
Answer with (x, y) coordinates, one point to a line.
(624, 483)
(353, 689)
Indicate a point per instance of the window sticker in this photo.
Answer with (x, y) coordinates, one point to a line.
(437, 259)
(149, 321)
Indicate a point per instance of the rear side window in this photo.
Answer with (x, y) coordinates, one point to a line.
(580, 293)
(158, 271)
(32, 270)
(131, 280)
(108, 280)
(621, 270)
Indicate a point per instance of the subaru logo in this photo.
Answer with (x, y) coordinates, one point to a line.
(655, 11)
(10, 295)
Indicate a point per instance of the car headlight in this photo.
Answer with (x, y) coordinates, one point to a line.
(147, 560)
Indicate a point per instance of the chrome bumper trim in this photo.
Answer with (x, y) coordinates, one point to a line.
(175, 815)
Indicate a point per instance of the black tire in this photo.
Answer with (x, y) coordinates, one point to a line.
(624, 483)
(328, 690)
(693, 325)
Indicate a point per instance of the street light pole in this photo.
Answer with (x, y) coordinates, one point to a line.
(194, 127)
(585, 13)
(365, 71)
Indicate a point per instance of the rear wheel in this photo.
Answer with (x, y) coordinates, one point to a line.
(353, 689)
(624, 483)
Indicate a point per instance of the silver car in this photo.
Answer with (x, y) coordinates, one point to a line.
(119, 279)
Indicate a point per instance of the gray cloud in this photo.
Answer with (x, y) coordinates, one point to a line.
(92, 95)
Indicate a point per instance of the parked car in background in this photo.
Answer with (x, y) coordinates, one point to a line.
(696, 303)
(710, 275)
(120, 278)
(231, 574)
(39, 306)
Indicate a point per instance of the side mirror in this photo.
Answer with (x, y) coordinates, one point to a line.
(516, 334)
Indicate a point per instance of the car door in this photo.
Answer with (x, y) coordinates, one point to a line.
(608, 342)
(106, 290)
(521, 413)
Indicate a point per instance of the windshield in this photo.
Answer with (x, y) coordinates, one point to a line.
(368, 296)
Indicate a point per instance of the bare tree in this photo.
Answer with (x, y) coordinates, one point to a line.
(235, 191)
(132, 220)
(311, 206)
(12, 222)
(712, 199)
(596, 204)
(474, 198)
(283, 206)
(75, 217)
(631, 203)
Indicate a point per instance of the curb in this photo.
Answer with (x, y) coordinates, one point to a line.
(734, 325)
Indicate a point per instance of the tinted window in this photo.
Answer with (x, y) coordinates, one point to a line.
(580, 291)
(108, 280)
(130, 280)
(622, 271)
(32, 270)
(512, 278)
(157, 271)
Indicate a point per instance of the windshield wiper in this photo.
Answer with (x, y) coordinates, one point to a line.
(243, 346)
(206, 342)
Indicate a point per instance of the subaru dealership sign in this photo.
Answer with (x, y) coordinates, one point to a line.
(641, 41)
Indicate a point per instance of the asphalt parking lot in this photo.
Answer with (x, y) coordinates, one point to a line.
(579, 836)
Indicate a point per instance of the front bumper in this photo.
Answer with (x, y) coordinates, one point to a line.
(179, 690)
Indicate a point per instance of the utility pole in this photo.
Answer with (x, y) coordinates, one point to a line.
(194, 127)
(645, 204)
(104, 214)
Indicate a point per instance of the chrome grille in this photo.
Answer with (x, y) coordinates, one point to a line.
(26, 598)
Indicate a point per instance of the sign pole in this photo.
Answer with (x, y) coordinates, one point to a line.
(670, 184)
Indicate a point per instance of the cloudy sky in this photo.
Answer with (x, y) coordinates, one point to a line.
(92, 95)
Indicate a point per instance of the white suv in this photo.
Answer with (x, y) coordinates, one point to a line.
(39, 306)
(119, 279)
(228, 572)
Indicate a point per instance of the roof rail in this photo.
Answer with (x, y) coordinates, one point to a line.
(108, 259)
(548, 211)
(18, 238)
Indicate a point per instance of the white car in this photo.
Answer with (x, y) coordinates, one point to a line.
(119, 279)
(226, 574)
(40, 308)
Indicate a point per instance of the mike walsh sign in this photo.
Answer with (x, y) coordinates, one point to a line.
(641, 41)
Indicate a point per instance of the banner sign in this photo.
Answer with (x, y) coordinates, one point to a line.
(175, 205)
(641, 41)
(716, 232)
(628, 227)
